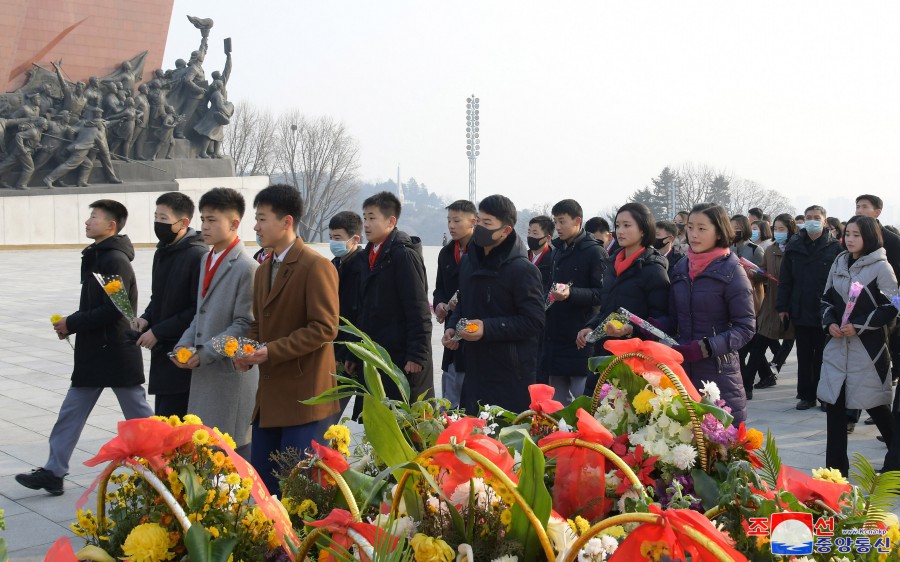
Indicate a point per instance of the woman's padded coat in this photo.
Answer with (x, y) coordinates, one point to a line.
(103, 358)
(861, 362)
(804, 271)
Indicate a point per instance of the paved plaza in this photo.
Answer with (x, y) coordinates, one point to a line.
(34, 374)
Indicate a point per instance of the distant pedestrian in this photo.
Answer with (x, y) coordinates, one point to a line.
(540, 234)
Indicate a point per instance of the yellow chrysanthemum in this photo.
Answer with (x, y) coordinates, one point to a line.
(200, 437)
(506, 517)
(242, 495)
(174, 421)
(308, 507)
(231, 347)
(184, 355)
(175, 483)
(55, 318)
(191, 419)
(829, 475)
(616, 531)
(233, 479)
(248, 349)
(581, 524)
(339, 435)
(616, 324)
(641, 402)
(147, 543)
(430, 549)
(113, 287)
(246, 483)
(225, 437)
(655, 550)
(755, 438)
(214, 531)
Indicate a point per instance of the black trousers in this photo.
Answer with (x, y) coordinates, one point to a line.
(836, 448)
(171, 404)
(756, 361)
(810, 344)
(781, 351)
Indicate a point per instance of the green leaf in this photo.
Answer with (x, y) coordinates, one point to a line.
(706, 487)
(193, 489)
(389, 443)
(771, 461)
(373, 381)
(203, 548)
(598, 364)
(881, 490)
(534, 491)
(514, 436)
(363, 485)
(570, 412)
(332, 394)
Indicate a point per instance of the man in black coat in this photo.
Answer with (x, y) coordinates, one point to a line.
(500, 295)
(461, 216)
(576, 280)
(173, 301)
(804, 270)
(540, 233)
(394, 295)
(666, 231)
(103, 357)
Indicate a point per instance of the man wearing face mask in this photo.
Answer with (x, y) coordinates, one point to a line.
(666, 234)
(500, 296)
(173, 301)
(804, 270)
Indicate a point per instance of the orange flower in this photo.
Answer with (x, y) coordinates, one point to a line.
(231, 348)
(113, 287)
(184, 355)
(755, 439)
(472, 328)
(248, 349)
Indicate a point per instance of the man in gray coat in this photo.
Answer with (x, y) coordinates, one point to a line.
(220, 395)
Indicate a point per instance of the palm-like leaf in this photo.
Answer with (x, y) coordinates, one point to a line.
(770, 460)
(881, 490)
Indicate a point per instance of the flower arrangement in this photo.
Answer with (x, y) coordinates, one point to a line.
(231, 346)
(115, 288)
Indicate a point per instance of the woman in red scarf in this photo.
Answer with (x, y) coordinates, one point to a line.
(634, 278)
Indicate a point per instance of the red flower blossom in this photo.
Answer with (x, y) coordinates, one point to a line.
(542, 399)
(642, 468)
(463, 432)
(660, 353)
(339, 522)
(743, 443)
(620, 445)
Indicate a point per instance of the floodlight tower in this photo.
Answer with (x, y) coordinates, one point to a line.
(472, 141)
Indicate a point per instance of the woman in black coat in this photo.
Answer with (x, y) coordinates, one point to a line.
(635, 278)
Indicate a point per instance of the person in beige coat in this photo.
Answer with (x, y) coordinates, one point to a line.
(295, 309)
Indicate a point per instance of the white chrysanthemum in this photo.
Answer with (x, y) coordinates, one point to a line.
(711, 391)
(612, 482)
(663, 421)
(684, 456)
(652, 378)
(609, 544)
(592, 551)
(630, 493)
(563, 426)
(460, 495)
(403, 526)
(686, 434)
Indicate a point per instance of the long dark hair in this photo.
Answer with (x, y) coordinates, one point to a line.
(644, 219)
(870, 231)
(787, 220)
(744, 224)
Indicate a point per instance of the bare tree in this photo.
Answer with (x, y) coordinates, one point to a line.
(320, 158)
(746, 194)
(250, 140)
(697, 182)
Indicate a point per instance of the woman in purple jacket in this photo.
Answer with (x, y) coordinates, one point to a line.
(711, 302)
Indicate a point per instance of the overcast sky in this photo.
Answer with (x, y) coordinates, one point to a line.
(582, 99)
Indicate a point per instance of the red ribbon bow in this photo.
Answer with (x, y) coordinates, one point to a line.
(460, 472)
(542, 400)
(806, 488)
(339, 522)
(659, 353)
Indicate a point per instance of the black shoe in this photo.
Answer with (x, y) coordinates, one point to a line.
(767, 382)
(749, 393)
(850, 427)
(869, 421)
(41, 478)
(805, 405)
(822, 407)
(880, 438)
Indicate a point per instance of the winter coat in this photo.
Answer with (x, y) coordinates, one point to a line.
(580, 263)
(176, 274)
(768, 322)
(296, 316)
(860, 363)
(445, 285)
(222, 396)
(502, 289)
(673, 257)
(394, 307)
(749, 251)
(892, 250)
(643, 289)
(351, 270)
(103, 358)
(545, 266)
(717, 305)
(804, 271)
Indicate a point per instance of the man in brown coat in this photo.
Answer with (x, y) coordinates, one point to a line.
(295, 306)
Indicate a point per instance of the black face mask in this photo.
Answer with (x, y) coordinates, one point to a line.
(660, 243)
(535, 243)
(738, 234)
(163, 231)
(484, 236)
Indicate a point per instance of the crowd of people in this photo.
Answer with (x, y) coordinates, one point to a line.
(729, 289)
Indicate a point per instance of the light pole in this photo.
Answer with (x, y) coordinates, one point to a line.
(472, 141)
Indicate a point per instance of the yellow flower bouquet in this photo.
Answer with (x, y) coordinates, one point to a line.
(231, 346)
(115, 288)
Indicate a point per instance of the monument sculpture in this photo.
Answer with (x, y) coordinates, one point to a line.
(54, 130)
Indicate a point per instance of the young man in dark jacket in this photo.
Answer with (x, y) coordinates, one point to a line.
(500, 295)
(103, 359)
(394, 295)
(666, 232)
(540, 233)
(576, 280)
(801, 282)
(173, 302)
(344, 231)
(461, 216)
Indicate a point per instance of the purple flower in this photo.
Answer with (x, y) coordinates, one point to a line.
(716, 432)
(604, 390)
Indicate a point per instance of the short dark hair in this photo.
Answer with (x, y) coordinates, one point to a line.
(501, 207)
(787, 221)
(223, 199)
(744, 224)
(870, 231)
(596, 224)
(819, 208)
(284, 200)
(180, 203)
(644, 219)
(717, 215)
(875, 200)
(756, 212)
(799, 218)
(114, 210)
(569, 207)
(669, 226)
(765, 231)
(545, 223)
(347, 220)
(680, 213)
(462, 206)
(386, 203)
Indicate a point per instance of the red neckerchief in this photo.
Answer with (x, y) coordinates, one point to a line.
(373, 256)
(458, 251)
(210, 273)
(622, 263)
(540, 257)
